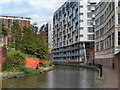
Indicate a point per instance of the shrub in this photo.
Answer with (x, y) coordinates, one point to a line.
(48, 62)
(3, 67)
(15, 59)
(28, 70)
(40, 68)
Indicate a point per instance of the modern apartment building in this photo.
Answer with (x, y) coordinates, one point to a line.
(46, 30)
(73, 31)
(8, 21)
(107, 31)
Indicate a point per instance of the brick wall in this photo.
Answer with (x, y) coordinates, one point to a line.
(117, 61)
(0, 58)
(4, 54)
(105, 62)
(109, 62)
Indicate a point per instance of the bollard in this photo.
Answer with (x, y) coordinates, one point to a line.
(93, 62)
(100, 67)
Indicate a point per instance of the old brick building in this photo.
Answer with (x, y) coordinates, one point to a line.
(8, 21)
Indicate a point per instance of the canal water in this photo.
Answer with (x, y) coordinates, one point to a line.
(61, 77)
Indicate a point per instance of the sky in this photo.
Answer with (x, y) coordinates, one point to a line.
(40, 11)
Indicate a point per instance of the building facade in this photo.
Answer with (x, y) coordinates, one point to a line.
(73, 31)
(107, 31)
(8, 21)
(46, 31)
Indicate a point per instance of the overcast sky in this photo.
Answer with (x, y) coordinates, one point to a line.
(40, 11)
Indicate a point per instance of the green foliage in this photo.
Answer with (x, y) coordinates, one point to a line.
(28, 41)
(48, 62)
(15, 59)
(3, 67)
(4, 30)
(33, 43)
(16, 34)
(28, 70)
(40, 68)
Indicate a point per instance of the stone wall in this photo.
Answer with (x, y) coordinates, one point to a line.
(117, 61)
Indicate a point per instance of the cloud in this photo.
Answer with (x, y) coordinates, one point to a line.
(51, 5)
(40, 11)
(40, 19)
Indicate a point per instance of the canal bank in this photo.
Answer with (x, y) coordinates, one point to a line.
(12, 75)
(82, 66)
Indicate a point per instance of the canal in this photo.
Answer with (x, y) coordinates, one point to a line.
(61, 77)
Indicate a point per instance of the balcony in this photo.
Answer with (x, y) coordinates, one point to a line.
(92, 2)
(93, 9)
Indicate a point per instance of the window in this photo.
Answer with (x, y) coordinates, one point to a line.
(97, 47)
(91, 37)
(102, 19)
(81, 6)
(9, 25)
(81, 21)
(97, 34)
(90, 29)
(89, 7)
(81, 28)
(17, 21)
(118, 38)
(81, 35)
(20, 25)
(118, 18)
(101, 31)
(110, 23)
(90, 22)
(109, 8)
(107, 12)
(90, 15)
(102, 6)
(97, 22)
(2, 20)
(101, 45)
(113, 20)
(107, 26)
(9, 30)
(24, 21)
(9, 20)
(97, 11)
(113, 39)
(119, 4)
(81, 13)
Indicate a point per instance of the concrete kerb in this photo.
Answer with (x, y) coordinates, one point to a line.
(84, 66)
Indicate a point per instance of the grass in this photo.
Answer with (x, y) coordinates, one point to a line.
(40, 68)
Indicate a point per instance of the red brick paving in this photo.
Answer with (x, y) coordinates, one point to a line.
(111, 78)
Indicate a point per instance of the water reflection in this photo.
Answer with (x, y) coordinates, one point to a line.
(61, 77)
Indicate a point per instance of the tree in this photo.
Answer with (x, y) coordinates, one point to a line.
(33, 43)
(16, 35)
(4, 30)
